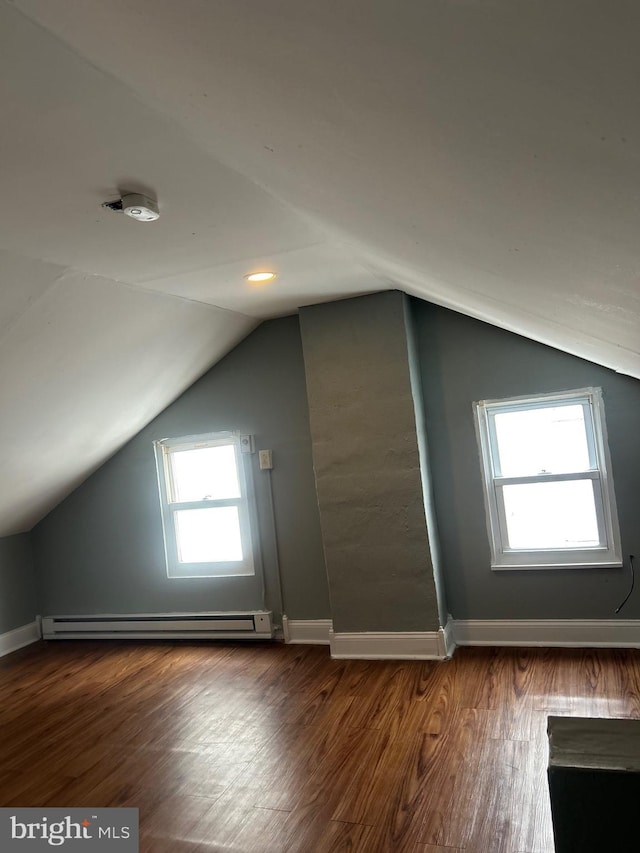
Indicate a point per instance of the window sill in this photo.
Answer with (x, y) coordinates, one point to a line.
(211, 570)
(519, 567)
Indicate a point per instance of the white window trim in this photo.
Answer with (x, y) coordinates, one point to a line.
(176, 569)
(608, 553)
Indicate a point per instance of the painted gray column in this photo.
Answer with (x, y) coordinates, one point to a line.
(368, 464)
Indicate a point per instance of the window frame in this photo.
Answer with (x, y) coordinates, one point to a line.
(169, 507)
(607, 554)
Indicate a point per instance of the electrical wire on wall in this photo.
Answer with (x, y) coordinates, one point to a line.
(633, 581)
(276, 545)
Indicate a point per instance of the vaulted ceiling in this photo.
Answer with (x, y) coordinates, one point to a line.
(482, 155)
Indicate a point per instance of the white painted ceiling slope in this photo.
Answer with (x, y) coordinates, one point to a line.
(481, 154)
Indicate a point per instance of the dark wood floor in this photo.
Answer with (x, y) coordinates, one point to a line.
(276, 748)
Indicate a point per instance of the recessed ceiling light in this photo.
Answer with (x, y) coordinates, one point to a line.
(260, 276)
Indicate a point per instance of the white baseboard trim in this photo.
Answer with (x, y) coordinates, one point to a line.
(313, 632)
(588, 633)
(390, 645)
(11, 641)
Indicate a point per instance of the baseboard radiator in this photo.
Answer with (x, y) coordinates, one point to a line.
(247, 625)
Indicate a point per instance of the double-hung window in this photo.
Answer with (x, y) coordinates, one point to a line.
(547, 480)
(205, 506)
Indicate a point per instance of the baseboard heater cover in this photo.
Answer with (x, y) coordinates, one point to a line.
(245, 625)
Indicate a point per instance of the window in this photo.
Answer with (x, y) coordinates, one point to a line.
(547, 479)
(205, 507)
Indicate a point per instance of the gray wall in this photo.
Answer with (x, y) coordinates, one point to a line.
(101, 550)
(17, 586)
(367, 465)
(464, 360)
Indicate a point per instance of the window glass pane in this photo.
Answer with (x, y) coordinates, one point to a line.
(551, 515)
(205, 473)
(544, 440)
(210, 535)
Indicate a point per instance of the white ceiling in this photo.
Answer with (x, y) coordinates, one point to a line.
(483, 155)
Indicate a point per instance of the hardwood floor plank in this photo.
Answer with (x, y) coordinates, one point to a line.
(311, 828)
(345, 838)
(453, 786)
(429, 848)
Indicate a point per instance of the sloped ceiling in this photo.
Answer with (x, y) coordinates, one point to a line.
(483, 155)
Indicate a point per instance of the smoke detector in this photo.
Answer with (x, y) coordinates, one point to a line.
(137, 206)
(140, 207)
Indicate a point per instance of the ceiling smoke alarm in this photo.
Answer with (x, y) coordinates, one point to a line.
(140, 207)
(135, 205)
